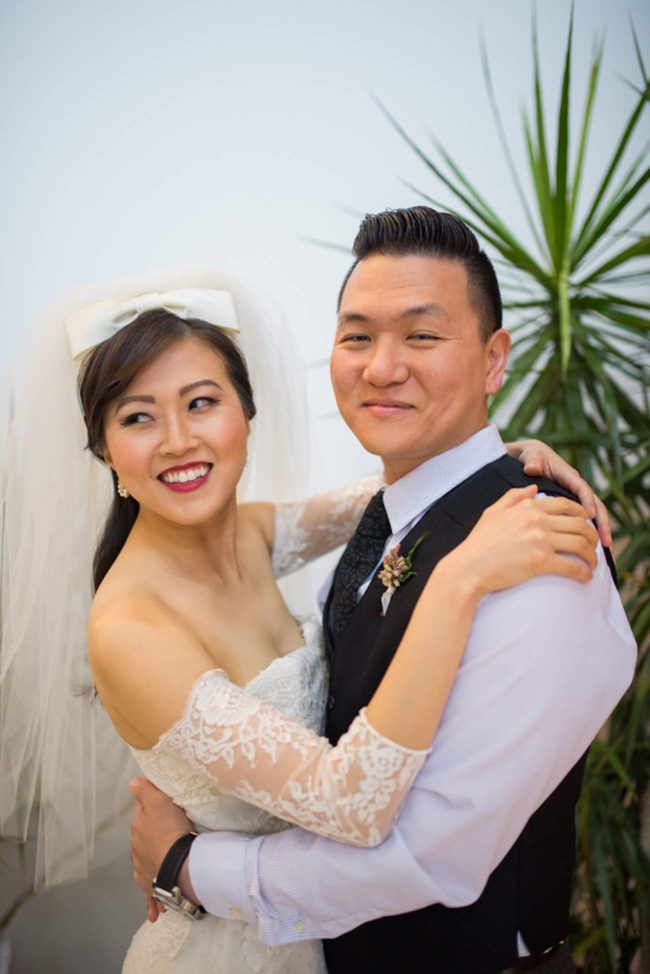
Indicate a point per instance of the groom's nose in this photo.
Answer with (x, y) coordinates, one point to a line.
(386, 363)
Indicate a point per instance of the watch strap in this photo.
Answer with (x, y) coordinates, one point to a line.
(170, 867)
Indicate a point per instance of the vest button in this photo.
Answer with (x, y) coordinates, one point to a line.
(330, 702)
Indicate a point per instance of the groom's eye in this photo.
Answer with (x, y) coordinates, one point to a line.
(355, 339)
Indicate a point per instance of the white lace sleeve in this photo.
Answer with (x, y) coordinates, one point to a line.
(305, 530)
(351, 792)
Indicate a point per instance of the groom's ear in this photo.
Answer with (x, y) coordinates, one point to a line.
(496, 358)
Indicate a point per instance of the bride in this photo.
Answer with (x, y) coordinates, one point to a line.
(215, 687)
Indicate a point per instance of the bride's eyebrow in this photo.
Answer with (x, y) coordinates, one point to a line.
(125, 399)
(199, 382)
(182, 392)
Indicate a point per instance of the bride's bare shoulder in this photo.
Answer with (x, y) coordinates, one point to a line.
(143, 660)
(129, 614)
(121, 614)
(121, 596)
(112, 606)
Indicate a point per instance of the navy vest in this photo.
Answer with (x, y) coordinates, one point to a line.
(529, 891)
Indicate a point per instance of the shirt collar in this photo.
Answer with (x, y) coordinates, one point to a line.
(412, 494)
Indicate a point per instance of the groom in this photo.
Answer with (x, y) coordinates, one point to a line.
(475, 877)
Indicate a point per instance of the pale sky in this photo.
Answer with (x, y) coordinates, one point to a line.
(146, 133)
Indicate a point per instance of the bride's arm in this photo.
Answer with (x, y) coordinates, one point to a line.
(148, 673)
(517, 538)
(352, 792)
(300, 531)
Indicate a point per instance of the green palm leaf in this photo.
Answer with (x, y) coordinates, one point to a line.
(585, 127)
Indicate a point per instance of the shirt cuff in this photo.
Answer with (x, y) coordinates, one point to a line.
(217, 873)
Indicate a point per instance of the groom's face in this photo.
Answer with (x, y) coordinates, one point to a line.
(410, 370)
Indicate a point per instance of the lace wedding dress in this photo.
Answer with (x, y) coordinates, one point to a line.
(234, 750)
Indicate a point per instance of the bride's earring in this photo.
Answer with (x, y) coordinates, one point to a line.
(121, 489)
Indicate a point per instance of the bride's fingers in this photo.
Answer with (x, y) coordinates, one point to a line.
(603, 523)
(569, 567)
(577, 545)
(513, 496)
(573, 535)
(562, 505)
(570, 525)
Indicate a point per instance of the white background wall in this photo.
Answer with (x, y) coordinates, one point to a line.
(142, 133)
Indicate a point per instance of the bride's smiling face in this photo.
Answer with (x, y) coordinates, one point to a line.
(177, 435)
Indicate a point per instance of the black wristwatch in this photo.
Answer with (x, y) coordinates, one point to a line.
(165, 888)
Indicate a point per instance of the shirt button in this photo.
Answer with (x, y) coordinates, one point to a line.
(330, 702)
(299, 927)
(234, 911)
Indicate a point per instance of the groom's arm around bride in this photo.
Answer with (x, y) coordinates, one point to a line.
(477, 871)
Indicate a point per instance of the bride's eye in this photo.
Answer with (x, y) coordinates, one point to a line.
(200, 401)
(134, 418)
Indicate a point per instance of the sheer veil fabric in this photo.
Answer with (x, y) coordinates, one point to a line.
(63, 770)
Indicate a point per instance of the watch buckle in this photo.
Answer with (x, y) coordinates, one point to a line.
(174, 900)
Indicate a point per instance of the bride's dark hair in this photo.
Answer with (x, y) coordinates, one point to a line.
(111, 367)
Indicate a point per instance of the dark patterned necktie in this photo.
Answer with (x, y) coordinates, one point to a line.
(358, 560)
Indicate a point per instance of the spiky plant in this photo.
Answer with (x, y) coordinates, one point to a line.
(578, 378)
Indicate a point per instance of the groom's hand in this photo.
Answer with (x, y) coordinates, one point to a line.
(157, 823)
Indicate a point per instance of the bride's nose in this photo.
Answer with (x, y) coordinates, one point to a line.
(178, 437)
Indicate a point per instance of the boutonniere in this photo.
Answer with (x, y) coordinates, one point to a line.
(397, 569)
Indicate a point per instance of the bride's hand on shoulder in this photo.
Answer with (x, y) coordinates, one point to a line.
(539, 460)
(520, 537)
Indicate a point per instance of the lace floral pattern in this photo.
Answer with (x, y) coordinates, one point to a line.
(296, 685)
(308, 529)
(351, 792)
(176, 945)
(155, 946)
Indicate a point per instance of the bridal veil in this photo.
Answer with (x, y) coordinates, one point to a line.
(63, 770)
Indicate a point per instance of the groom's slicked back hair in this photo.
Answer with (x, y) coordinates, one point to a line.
(424, 232)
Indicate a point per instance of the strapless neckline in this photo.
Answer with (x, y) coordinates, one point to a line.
(306, 627)
(310, 630)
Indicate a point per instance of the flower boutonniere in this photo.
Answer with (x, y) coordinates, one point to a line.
(397, 569)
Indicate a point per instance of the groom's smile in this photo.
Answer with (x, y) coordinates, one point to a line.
(410, 369)
(386, 407)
